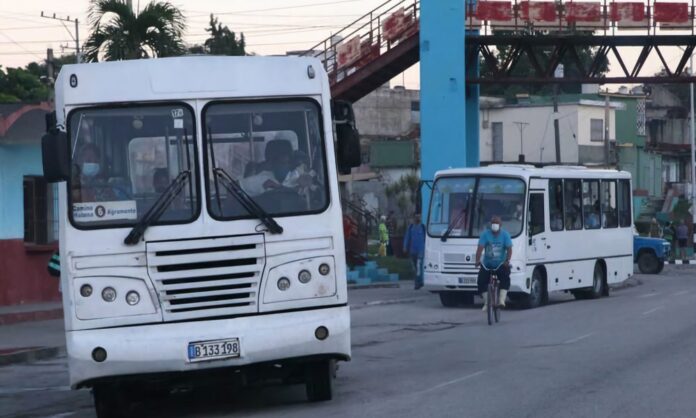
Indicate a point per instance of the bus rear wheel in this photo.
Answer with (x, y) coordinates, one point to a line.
(319, 380)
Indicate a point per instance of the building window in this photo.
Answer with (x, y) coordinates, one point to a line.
(415, 105)
(40, 220)
(596, 130)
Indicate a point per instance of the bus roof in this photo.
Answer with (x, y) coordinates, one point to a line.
(189, 77)
(528, 171)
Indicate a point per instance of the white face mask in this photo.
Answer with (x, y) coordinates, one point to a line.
(90, 169)
(495, 227)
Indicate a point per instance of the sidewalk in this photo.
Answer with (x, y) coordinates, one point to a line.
(34, 340)
(30, 312)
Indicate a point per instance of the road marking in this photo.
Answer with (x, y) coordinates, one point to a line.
(451, 382)
(649, 295)
(580, 338)
(653, 310)
(683, 292)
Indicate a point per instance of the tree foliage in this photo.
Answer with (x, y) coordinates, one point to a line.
(21, 85)
(223, 41)
(119, 33)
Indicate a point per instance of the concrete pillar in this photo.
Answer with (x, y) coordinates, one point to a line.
(443, 92)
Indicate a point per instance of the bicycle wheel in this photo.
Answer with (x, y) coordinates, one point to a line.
(496, 309)
(490, 302)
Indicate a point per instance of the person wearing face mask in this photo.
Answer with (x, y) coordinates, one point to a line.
(495, 245)
(89, 184)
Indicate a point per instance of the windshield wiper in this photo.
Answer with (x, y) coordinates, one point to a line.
(247, 202)
(158, 208)
(450, 227)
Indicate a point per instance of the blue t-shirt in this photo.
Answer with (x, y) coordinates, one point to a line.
(494, 247)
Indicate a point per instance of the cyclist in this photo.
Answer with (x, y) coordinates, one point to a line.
(497, 245)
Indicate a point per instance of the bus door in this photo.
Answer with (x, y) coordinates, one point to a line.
(537, 230)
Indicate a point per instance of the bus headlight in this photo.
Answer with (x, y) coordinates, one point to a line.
(109, 294)
(132, 298)
(324, 269)
(283, 283)
(86, 290)
(304, 276)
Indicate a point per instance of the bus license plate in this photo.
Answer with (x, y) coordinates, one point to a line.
(467, 280)
(213, 350)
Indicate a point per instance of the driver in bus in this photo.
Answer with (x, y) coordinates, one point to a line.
(496, 246)
(273, 173)
(90, 181)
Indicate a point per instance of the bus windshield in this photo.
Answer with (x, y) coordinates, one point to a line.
(273, 150)
(124, 158)
(466, 204)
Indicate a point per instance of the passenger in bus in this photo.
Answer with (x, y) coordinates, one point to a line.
(496, 246)
(90, 182)
(160, 180)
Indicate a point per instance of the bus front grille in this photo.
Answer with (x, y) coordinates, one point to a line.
(207, 277)
(459, 263)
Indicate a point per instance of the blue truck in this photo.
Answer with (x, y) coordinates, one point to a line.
(650, 253)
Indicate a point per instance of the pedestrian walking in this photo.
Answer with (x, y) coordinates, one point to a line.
(655, 230)
(414, 246)
(682, 238)
(383, 236)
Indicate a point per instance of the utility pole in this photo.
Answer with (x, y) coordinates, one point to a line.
(76, 37)
(606, 128)
(558, 73)
(521, 126)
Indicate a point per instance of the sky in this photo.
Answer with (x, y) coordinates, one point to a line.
(270, 27)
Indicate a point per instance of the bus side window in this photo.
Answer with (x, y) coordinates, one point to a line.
(625, 218)
(536, 214)
(590, 203)
(572, 194)
(556, 204)
(608, 195)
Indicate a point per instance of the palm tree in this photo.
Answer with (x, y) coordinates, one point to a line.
(119, 33)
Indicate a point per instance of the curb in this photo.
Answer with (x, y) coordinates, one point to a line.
(385, 302)
(17, 317)
(30, 354)
(678, 262)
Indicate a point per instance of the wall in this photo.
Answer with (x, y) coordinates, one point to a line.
(539, 145)
(386, 112)
(15, 162)
(585, 114)
(23, 274)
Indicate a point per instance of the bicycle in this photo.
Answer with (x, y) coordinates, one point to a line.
(493, 310)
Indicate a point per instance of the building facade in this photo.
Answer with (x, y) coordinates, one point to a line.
(28, 230)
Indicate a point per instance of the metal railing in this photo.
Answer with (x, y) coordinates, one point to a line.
(369, 27)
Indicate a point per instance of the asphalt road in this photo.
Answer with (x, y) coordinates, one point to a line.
(631, 355)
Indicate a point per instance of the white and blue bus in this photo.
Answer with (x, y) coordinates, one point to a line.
(571, 229)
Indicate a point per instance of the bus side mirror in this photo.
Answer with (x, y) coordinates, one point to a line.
(348, 153)
(54, 150)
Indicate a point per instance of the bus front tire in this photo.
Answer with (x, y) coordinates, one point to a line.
(537, 290)
(450, 299)
(648, 263)
(319, 380)
(110, 402)
(598, 283)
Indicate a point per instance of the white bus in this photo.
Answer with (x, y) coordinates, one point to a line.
(200, 223)
(571, 229)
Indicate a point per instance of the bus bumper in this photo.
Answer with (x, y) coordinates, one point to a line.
(163, 347)
(439, 282)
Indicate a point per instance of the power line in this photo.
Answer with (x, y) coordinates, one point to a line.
(19, 45)
(298, 6)
(76, 37)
